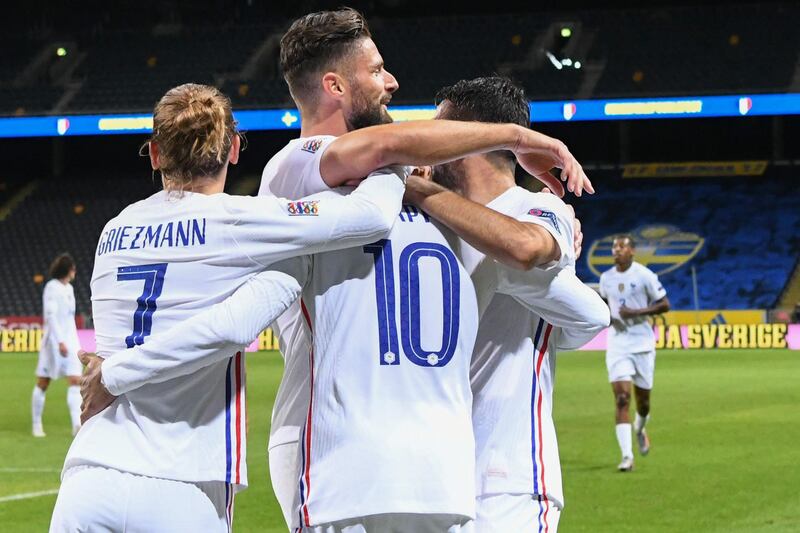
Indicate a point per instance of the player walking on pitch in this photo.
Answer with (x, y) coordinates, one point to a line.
(633, 293)
(58, 355)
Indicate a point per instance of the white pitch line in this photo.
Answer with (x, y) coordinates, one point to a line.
(12, 469)
(27, 495)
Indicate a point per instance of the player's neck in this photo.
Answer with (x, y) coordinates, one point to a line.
(624, 267)
(207, 185)
(483, 182)
(323, 122)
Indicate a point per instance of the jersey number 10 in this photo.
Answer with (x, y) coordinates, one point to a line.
(410, 330)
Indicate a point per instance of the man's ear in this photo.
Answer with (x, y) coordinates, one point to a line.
(236, 146)
(152, 149)
(334, 85)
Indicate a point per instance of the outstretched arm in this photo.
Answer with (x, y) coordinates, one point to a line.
(433, 142)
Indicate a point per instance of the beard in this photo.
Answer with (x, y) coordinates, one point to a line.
(366, 113)
(448, 176)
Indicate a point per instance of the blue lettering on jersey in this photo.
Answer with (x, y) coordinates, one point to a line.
(139, 230)
(547, 215)
(180, 233)
(410, 212)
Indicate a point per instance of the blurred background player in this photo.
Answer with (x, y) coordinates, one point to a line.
(633, 293)
(58, 355)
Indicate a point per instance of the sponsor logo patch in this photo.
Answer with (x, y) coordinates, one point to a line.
(547, 215)
(303, 209)
(311, 146)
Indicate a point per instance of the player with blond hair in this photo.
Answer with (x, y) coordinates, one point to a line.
(170, 455)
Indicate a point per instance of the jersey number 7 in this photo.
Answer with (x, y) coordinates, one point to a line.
(153, 276)
(410, 331)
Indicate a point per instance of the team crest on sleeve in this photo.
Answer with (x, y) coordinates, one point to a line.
(547, 215)
(309, 208)
(311, 146)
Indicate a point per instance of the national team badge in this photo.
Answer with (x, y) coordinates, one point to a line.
(311, 146)
(659, 247)
(547, 215)
(621, 287)
(308, 208)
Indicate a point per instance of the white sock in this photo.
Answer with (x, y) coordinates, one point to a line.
(625, 440)
(37, 405)
(74, 404)
(640, 422)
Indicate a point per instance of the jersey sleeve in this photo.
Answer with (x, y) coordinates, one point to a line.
(206, 338)
(51, 309)
(270, 229)
(655, 290)
(552, 214)
(561, 299)
(295, 172)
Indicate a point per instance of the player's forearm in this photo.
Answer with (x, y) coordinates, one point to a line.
(206, 338)
(659, 307)
(512, 243)
(562, 300)
(415, 143)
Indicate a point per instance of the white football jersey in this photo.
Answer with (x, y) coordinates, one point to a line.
(636, 288)
(528, 316)
(293, 171)
(58, 308)
(167, 258)
(388, 427)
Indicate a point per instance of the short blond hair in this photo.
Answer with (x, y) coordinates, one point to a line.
(193, 127)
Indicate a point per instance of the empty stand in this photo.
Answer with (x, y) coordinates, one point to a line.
(749, 226)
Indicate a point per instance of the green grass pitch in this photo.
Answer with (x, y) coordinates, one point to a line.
(725, 456)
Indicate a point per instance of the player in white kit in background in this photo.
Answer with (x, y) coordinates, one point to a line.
(58, 354)
(526, 315)
(169, 455)
(633, 293)
(340, 85)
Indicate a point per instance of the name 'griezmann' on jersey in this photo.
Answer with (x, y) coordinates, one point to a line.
(177, 233)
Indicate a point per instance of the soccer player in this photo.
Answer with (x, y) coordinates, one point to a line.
(169, 455)
(526, 316)
(338, 81)
(58, 355)
(633, 293)
(357, 283)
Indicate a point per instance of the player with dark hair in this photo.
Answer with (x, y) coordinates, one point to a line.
(345, 425)
(338, 80)
(526, 316)
(58, 354)
(633, 293)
